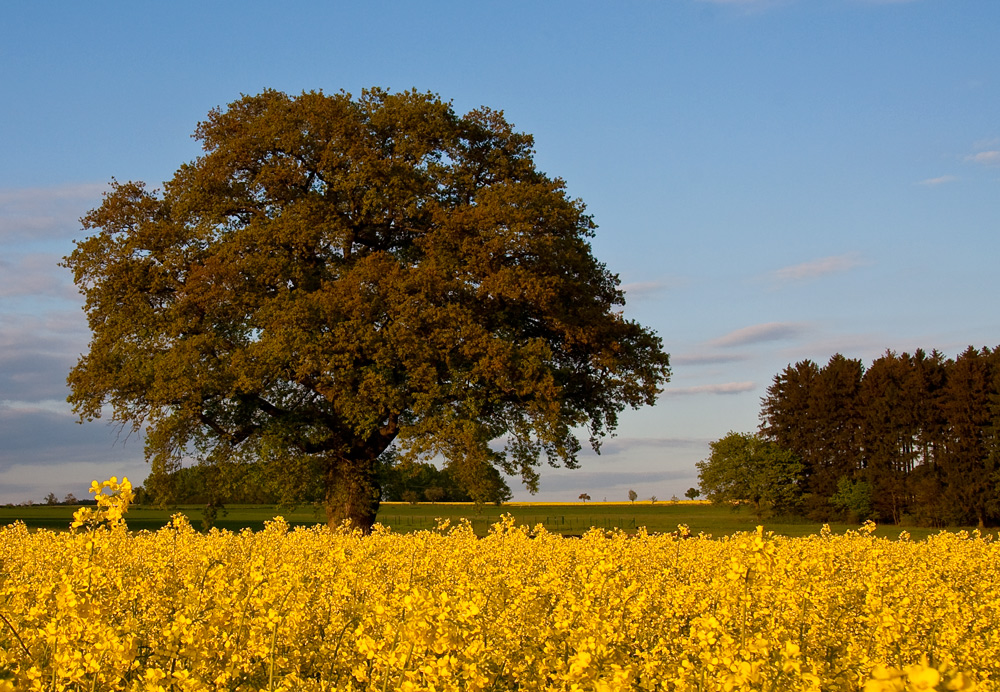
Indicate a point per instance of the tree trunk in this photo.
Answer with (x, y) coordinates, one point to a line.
(352, 493)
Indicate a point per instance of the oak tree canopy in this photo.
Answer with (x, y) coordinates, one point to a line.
(333, 276)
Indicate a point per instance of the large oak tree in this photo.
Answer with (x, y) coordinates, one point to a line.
(335, 275)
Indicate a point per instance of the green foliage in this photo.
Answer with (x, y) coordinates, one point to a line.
(692, 493)
(203, 484)
(854, 497)
(248, 484)
(743, 467)
(408, 481)
(336, 275)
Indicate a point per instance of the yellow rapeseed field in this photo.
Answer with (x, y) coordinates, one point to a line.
(102, 608)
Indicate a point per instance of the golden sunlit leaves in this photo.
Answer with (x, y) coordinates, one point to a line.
(335, 275)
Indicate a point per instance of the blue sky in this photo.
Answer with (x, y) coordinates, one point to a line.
(773, 180)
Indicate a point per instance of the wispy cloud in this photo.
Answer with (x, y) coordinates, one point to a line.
(824, 266)
(990, 157)
(41, 436)
(17, 197)
(759, 333)
(942, 180)
(723, 388)
(706, 358)
(621, 445)
(36, 275)
(641, 290)
(32, 213)
(747, 6)
(37, 352)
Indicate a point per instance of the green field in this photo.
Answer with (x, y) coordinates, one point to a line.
(566, 518)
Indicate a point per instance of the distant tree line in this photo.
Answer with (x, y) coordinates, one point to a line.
(258, 484)
(913, 436)
(414, 482)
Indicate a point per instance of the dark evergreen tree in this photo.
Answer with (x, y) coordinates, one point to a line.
(967, 469)
(924, 479)
(889, 410)
(812, 412)
(919, 435)
(786, 418)
(834, 408)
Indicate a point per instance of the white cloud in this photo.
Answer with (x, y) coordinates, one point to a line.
(942, 180)
(987, 158)
(759, 333)
(724, 388)
(834, 264)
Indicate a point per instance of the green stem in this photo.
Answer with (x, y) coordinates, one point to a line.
(16, 636)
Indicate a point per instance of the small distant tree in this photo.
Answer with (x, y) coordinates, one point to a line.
(674, 498)
(692, 493)
(434, 494)
(632, 496)
(744, 467)
(411, 496)
(51, 499)
(652, 500)
(70, 499)
(584, 497)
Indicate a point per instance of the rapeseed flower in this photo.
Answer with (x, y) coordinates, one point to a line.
(313, 610)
